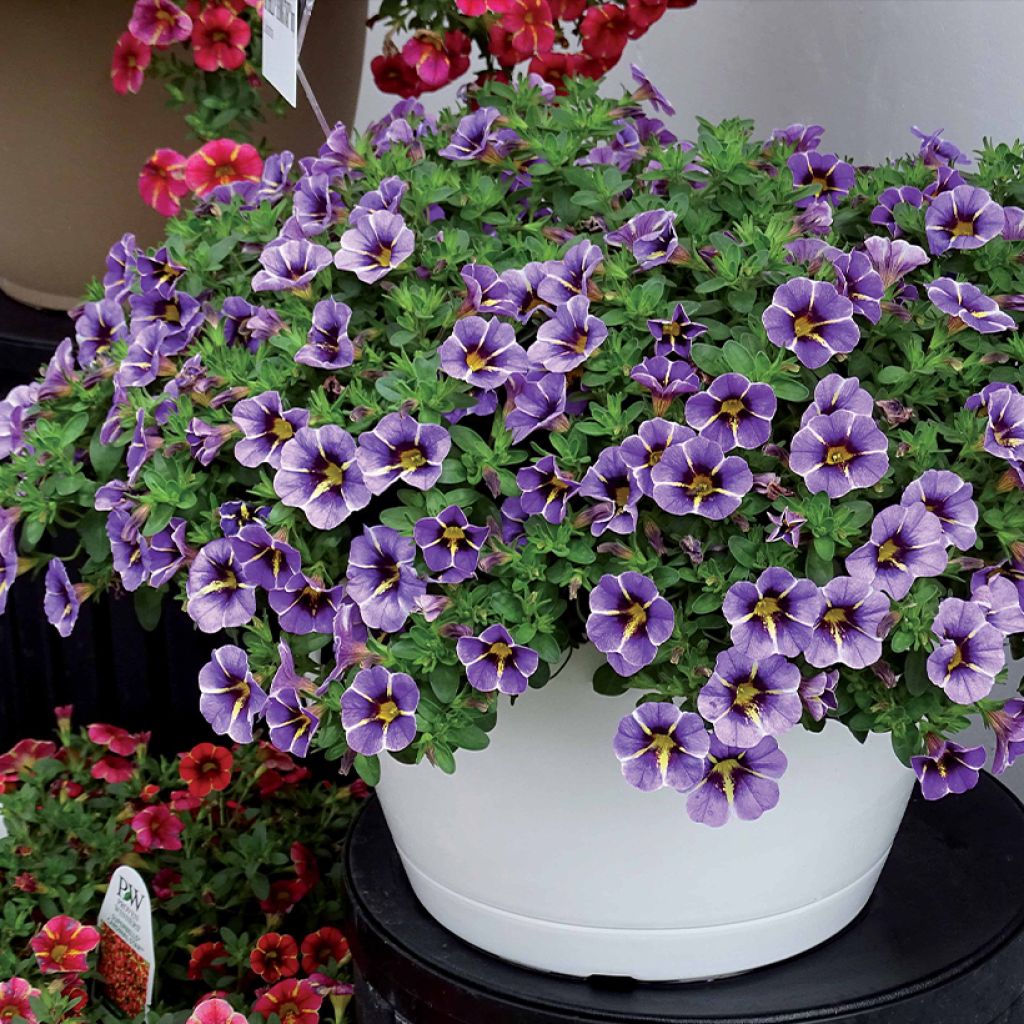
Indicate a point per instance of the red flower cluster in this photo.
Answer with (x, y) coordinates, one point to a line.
(206, 768)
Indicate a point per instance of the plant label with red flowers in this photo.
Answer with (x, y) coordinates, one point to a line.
(281, 46)
(126, 963)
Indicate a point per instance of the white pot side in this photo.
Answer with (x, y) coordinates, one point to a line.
(537, 850)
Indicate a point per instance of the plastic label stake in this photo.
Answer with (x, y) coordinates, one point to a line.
(281, 46)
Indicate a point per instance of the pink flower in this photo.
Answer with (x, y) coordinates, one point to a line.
(162, 181)
(111, 768)
(164, 882)
(472, 8)
(116, 739)
(219, 163)
(14, 1000)
(156, 828)
(159, 22)
(528, 23)
(437, 61)
(128, 68)
(215, 1011)
(63, 944)
(219, 39)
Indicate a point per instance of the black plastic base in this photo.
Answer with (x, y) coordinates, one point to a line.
(941, 942)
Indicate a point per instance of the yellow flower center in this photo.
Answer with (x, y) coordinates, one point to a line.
(636, 616)
(746, 694)
(803, 325)
(622, 496)
(888, 551)
(835, 616)
(732, 407)
(334, 474)
(453, 534)
(475, 361)
(962, 228)
(701, 485)
(411, 458)
(384, 256)
(767, 607)
(838, 455)
(282, 429)
(663, 743)
(388, 711)
(957, 660)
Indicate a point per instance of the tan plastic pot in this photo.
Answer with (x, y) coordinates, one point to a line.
(71, 148)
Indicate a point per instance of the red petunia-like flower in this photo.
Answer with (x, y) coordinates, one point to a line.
(499, 46)
(204, 957)
(319, 948)
(643, 14)
(529, 24)
(392, 75)
(113, 737)
(219, 39)
(128, 67)
(63, 945)
(283, 896)
(111, 768)
(73, 989)
(15, 1000)
(23, 755)
(183, 800)
(436, 60)
(567, 10)
(472, 8)
(604, 31)
(306, 868)
(221, 162)
(205, 768)
(214, 1010)
(555, 67)
(294, 1002)
(162, 181)
(164, 883)
(156, 828)
(275, 957)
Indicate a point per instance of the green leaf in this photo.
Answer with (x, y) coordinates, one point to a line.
(470, 441)
(148, 605)
(367, 768)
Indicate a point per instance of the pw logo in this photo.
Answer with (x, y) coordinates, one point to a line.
(127, 893)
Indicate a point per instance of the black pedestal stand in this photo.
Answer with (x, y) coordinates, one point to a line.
(941, 942)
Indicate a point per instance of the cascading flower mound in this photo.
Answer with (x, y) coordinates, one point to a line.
(408, 420)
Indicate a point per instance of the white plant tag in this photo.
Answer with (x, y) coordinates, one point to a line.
(281, 46)
(3, 825)
(127, 963)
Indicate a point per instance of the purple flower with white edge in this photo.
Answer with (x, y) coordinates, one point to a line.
(975, 309)
(350, 636)
(381, 578)
(569, 338)
(265, 560)
(947, 768)
(818, 694)
(643, 450)
(145, 440)
(882, 214)
(320, 473)
(1004, 432)
(378, 711)
(289, 265)
(936, 151)
(267, 427)
(472, 136)
(649, 236)
(970, 654)
(658, 745)
(570, 276)
(946, 179)
(858, 280)
(786, 527)
(315, 206)
(401, 448)
(167, 553)
(647, 90)
(97, 327)
(274, 182)
(159, 272)
(737, 781)
(450, 544)
(141, 362)
(219, 594)
(839, 452)
(120, 273)
(846, 632)
(1001, 602)
(733, 412)
(230, 699)
(59, 373)
(832, 177)
(522, 287)
(611, 484)
(812, 320)
(893, 259)
(1008, 725)
(629, 620)
(236, 514)
(698, 478)
(833, 393)
(1013, 224)
(815, 218)
(181, 315)
(965, 217)
(304, 606)
(775, 615)
(205, 440)
(546, 489)
(666, 380)
(374, 246)
(487, 291)
(539, 404)
(328, 346)
(290, 724)
(747, 699)
(801, 137)
(63, 599)
(482, 352)
(494, 661)
(950, 500)
(127, 547)
(675, 336)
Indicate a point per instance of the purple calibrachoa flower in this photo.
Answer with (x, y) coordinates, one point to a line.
(649, 236)
(696, 477)
(569, 338)
(965, 217)
(800, 136)
(839, 452)
(775, 615)
(375, 246)
(181, 316)
(205, 440)
(120, 274)
(236, 514)
(387, 197)
(219, 594)
(733, 412)
(472, 136)
(127, 548)
(833, 393)
(747, 699)
(906, 544)
(539, 405)
(145, 441)
(494, 661)
(167, 553)
(970, 653)
(141, 363)
(8, 554)
(846, 632)
(1008, 725)
(159, 272)
(304, 606)
(267, 426)
(611, 484)
(486, 291)
(290, 724)
(522, 287)
(1013, 224)
(97, 327)
(350, 636)
(328, 346)
(675, 336)
(647, 90)
(666, 380)
(63, 599)
(786, 527)
(290, 264)
(265, 561)
(893, 259)
(1004, 432)
(812, 320)
(947, 768)
(936, 151)
(882, 214)
(381, 578)
(658, 745)
(230, 699)
(401, 448)
(320, 473)
(378, 711)
(629, 620)
(832, 177)
(946, 179)
(546, 489)
(570, 276)
(975, 309)
(450, 544)
(1001, 602)
(818, 694)
(737, 781)
(482, 352)
(643, 450)
(858, 280)
(314, 205)
(950, 500)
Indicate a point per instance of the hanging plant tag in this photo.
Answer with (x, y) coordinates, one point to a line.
(3, 825)
(281, 46)
(126, 961)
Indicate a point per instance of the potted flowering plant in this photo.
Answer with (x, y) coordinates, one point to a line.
(693, 463)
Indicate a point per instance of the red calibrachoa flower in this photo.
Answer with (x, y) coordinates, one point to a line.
(643, 14)
(205, 768)
(219, 39)
(113, 737)
(499, 45)
(294, 1002)
(63, 945)
(319, 948)
(437, 60)
(15, 1000)
(567, 10)
(162, 181)
(555, 67)
(111, 768)
(164, 883)
(392, 75)
(74, 989)
(182, 800)
(128, 68)
(306, 867)
(604, 31)
(283, 896)
(221, 162)
(26, 882)
(472, 8)
(156, 828)
(215, 1011)
(528, 23)
(203, 958)
(23, 755)
(275, 957)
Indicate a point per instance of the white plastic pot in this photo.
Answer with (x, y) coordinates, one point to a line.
(537, 850)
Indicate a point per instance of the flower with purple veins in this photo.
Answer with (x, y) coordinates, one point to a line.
(1001, 603)
(675, 336)
(1008, 725)
(833, 393)
(733, 412)
(63, 600)
(522, 287)
(1004, 432)
(120, 273)
(947, 768)
(230, 699)
(847, 630)
(97, 327)
(802, 137)
(568, 338)
(180, 314)
(141, 362)
(935, 150)
(858, 281)
(818, 694)
(611, 484)
(381, 578)
(666, 380)
(59, 373)
(482, 352)
(1013, 224)
(649, 236)
(893, 259)
(450, 544)
(472, 136)
(350, 636)
(487, 291)
(205, 440)
(647, 90)
(167, 553)
(570, 276)
(401, 448)
(882, 214)
(378, 711)
(235, 313)
(289, 265)
(236, 514)
(494, 661)
(697, 478)
(267, 426)
(737, 781)
(832, 177)
(328, 346)
(265, 560)
(315, 206)
(775, 615)
(219, 594)
(812, 320)
(274, 182)
(159, 272)
(658, 745)
(145, 441)
(643, 450)
(968, 303)
(964, 217)
(546, 489)
(839, 452)
(539, 404)
(950, 500)
(374, 246)
(290, 724)
(970, 654)
(946, 179)
(127, 547)
(815, 218)
(629, 620)
(786, 526)
(304, 606)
